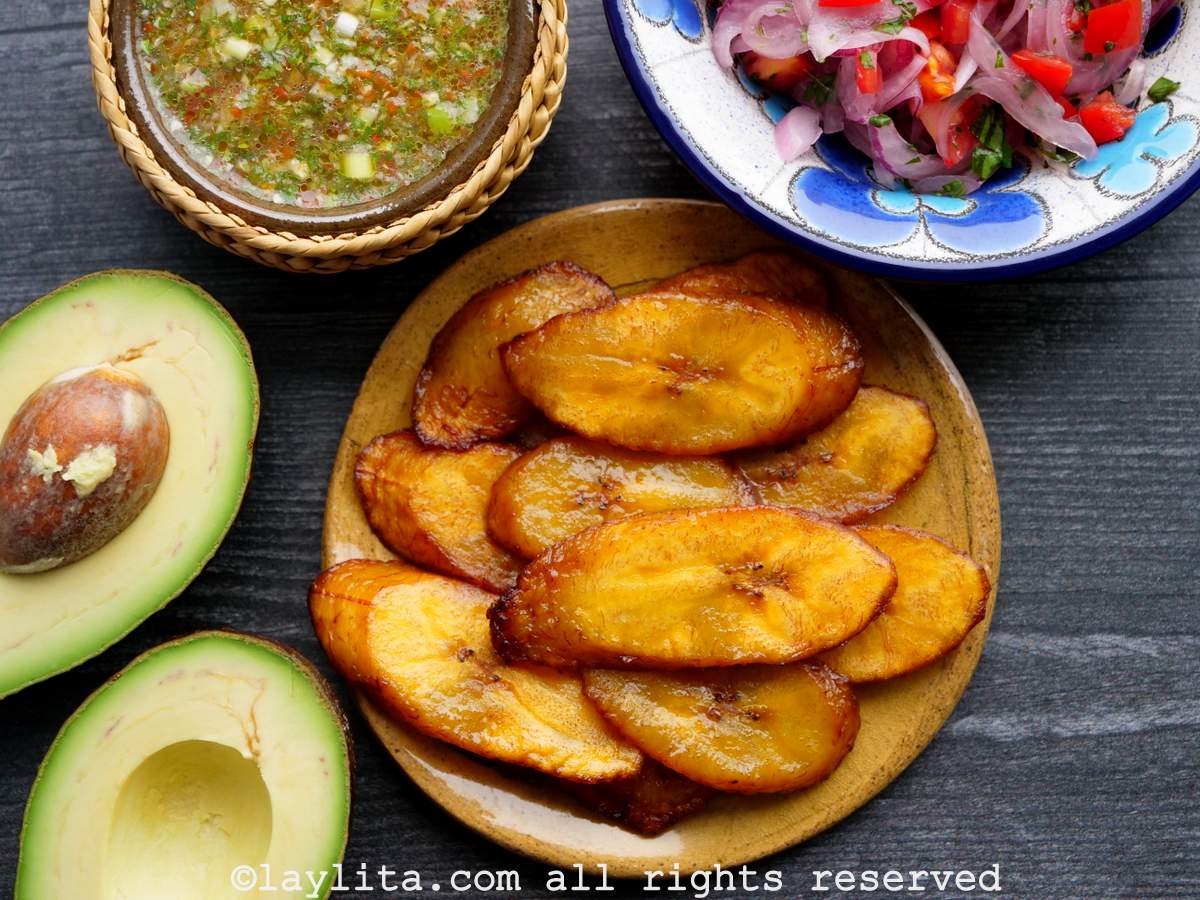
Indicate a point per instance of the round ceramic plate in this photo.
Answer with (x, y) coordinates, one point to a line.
(630, 243)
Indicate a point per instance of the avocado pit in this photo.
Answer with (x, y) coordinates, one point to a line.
(79, 461)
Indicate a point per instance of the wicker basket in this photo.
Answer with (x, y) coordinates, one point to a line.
(541, 93)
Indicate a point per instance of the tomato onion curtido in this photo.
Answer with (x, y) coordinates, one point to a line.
(940, 94)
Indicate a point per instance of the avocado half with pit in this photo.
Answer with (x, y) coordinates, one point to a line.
(207, 763)
(129, 405)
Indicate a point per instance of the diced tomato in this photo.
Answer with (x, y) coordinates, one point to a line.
(937, 78)
(1117, 26)
(778, 74)
(1076, 19)
(929, 23)
(1105, 119)
(1050, 71)
(960, 141)
(947, 61)
(1070, 110)
(956, 21)
(866, 72)
(935, 86)
(838, 3)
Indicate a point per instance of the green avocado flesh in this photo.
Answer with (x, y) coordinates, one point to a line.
(210, 753)
(189, 352)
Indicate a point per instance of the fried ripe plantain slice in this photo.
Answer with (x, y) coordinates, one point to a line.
(754, 729)
(774, 273)
(837, 363)
(692, 588)
(418, 643)
(672, 373)
(941, 594)
(569, 484)
(430, 505)
(858, 465)
(462, 395)
(649, 803)
(836, 359)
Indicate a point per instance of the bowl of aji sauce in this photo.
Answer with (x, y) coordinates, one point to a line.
(320, 118)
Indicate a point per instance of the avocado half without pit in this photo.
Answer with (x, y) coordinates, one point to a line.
(129, 404)
(207, 760)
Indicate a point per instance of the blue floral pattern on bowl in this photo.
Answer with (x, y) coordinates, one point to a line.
(844, 199)
(683, 14)
(1025, 219)
(1131, 166)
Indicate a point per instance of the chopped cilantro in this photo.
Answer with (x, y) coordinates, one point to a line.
(1058, 154)
(994, 151)
(953, 189)
(880, 121)
(908, 12)
(1162, 89)
(989, 128)
(819, 88)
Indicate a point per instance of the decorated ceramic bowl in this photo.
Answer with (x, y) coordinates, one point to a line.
(1023, 220)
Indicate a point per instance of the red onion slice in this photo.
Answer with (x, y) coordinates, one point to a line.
(775, 30)
(1019, 10)
(893, 153)
(1130, 88)
(1160, 8)
(797, 132)
(731, 20)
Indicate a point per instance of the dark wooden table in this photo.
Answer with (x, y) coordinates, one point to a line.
(1073, 760)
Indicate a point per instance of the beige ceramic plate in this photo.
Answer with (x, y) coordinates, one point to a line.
(630, 243)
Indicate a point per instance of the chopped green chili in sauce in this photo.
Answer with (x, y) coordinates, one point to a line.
(322, 103)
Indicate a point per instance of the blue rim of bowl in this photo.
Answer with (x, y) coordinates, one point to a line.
(1164, 202)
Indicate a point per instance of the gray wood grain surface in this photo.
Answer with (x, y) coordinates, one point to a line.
(1073, 760)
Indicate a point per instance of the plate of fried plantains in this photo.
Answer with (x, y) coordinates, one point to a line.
(651, 542)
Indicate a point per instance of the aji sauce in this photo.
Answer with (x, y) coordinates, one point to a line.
(322, 103)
